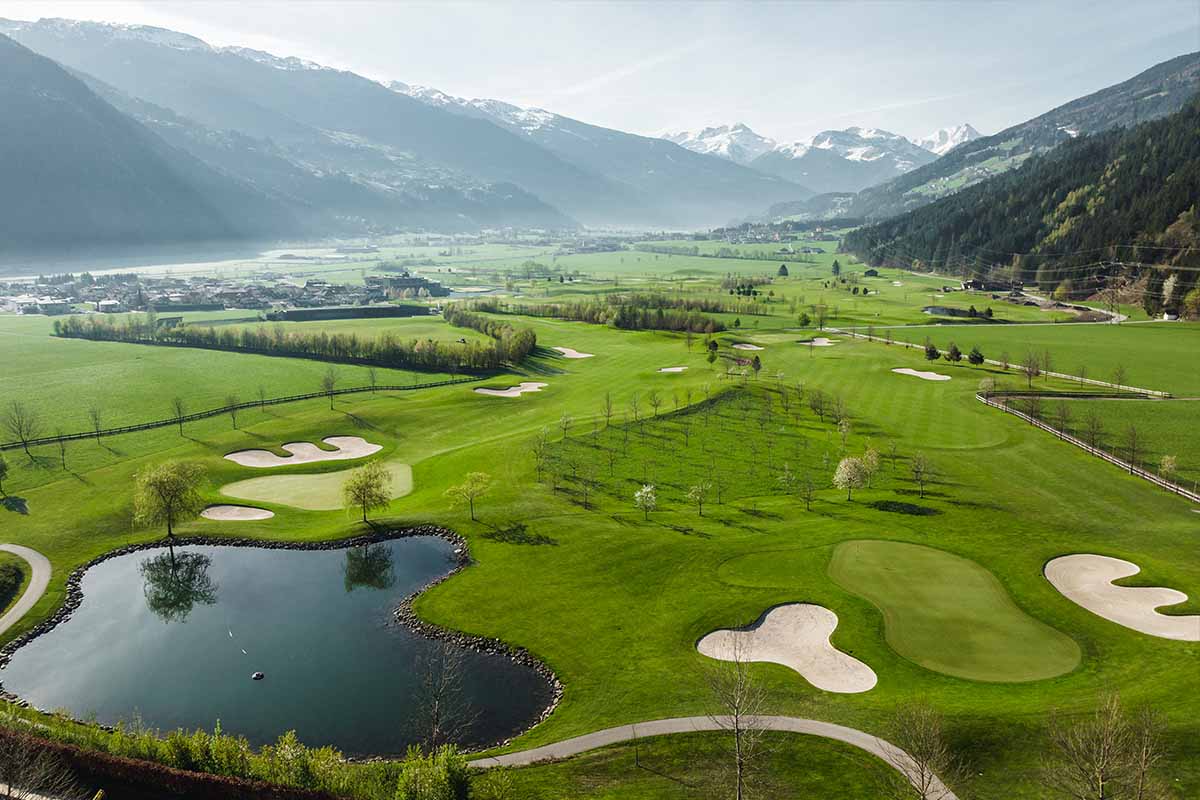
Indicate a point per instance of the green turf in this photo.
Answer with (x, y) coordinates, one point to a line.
(311, 491)
(951, 615)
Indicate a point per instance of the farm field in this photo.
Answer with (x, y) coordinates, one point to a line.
(622, 596)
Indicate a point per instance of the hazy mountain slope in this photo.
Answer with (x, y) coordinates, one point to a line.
(1158, 91)
(1066, 209)
(294, 103)
(75, 171)
(844, 161)
(676, 185)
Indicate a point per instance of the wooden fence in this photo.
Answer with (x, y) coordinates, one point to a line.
(213, 412)
(1132, 469)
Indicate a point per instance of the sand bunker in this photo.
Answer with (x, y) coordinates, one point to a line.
(818, 341)
(897, 283)
(671, 369)
(795, 635)
(744, 346)
(514, 391)
(1087, 580)
(567, 352)
(925, 376)
(236, 513)
(307, 453)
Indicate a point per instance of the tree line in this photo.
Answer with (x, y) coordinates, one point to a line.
(627, 312)
(510, 345)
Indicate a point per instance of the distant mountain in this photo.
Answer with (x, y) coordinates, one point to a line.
(1125, 195)
(674, 184)
(76, 172)
(1160, 90)
(944, 140)
(736, 143)
(844, 161)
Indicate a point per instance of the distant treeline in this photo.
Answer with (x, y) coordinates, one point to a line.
(509, 345)
(724, 252)
(626, 311)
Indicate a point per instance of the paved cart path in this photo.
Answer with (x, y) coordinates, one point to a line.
(39, 579)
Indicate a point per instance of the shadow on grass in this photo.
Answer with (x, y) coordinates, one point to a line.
(687, 530)
(359, 422)
(517, 533)
(897, 507)
(17, 504)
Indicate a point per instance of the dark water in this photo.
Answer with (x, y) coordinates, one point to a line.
(165, 640)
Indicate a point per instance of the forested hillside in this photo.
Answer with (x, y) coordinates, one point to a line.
(1116, 204)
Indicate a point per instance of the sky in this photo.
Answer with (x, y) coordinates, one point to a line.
(786, 69)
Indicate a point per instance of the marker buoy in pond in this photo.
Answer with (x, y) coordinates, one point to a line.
(258, 676)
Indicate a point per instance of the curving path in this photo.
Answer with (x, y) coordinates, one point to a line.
(894, 756)
(39, 579)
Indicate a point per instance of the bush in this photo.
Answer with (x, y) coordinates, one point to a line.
(440, 775)
(11, 576)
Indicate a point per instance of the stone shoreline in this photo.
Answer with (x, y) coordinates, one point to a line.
(403, 613)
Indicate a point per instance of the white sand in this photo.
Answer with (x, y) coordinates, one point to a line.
(1087, 580)
(897, 283)
(514, 391)
(306, 452)
(926, 376)
(796, 635)
(818, 341)
(744, 346)
(671, 369)
(567, 352)
(236, 513)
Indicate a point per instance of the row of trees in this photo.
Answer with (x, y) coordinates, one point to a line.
(509, 345)
(630, 312)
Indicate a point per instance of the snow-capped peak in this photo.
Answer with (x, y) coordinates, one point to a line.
(944, 140)
(856, 144)
(527, 119)
(736, 142)
(143, 33)
(277, 62)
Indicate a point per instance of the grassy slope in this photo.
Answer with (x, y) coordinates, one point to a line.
(619, 603)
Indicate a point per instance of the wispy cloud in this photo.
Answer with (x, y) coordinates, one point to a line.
(629, 70)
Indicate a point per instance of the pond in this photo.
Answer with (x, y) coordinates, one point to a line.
(175, 640)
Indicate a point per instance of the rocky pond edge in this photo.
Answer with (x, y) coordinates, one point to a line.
(403, 613)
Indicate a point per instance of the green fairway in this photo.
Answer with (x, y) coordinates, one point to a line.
(318, 492)
(951, 615)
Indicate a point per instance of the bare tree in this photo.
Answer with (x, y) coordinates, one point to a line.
(1062, 417)
(23, 423)
(329, 382)
(1031, 367)
(1107, 754)
(1133, 446)
(62, 447)
(541, 449)
(565, 422)
(807, 489)
(738, 701)
(923, 756)
(608, 409)
(1119, 377)
(373, 378)
(442, 714)
(816, 401)
(922, 470)
(655, 400)
(231, 403)
(262, 396)
(179, 410)
(95, 416)
(1094, 425)
(30, 770)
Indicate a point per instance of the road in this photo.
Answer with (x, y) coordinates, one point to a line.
(39, 579)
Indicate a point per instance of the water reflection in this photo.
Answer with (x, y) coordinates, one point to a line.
(369, 566)
(174, 583)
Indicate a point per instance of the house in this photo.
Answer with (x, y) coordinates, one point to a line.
(871, 273)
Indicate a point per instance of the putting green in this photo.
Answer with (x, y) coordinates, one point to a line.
(951, 615)
(319, 492)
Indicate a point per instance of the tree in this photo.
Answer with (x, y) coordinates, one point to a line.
(62, 447)
(711, 358)
(739, 700)
(1031, 367)
(174, 583)
(329, 382)
(3, 474)
(29, 770)
(844, 431)
(475, 486)
(870, 460)
(608, 409)
(756, 365)
(440, 775)
(167, 493)
(816, 401)
(541, 450)
(94, 415)
(924, 757)
(1005, 361)
(23, 423)
(645, 499)
(975, 356)
(953, 353)
(1133, 446)
(782, 272)
(851, 474)
(1106, 754)
(697, 494)
(1062, 417)
(179, 410)
(368, 488)
(836, 269)
(922, 471)
(231, 403)
(1167, 467)
(373, 378)
(565, 422)
(931, 351)
(987, 386)
(1119, 377)
(655, 400)
(1094, 425)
